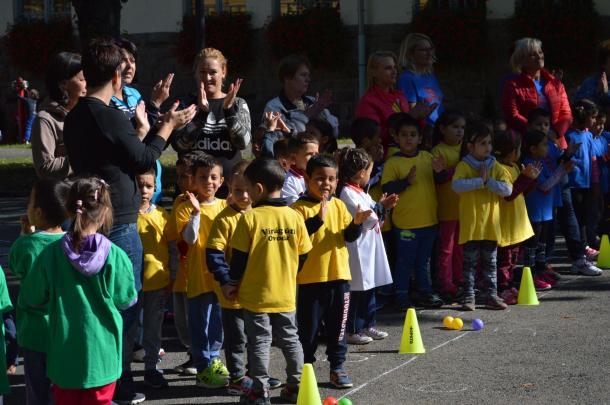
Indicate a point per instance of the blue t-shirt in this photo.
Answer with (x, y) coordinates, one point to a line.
(422, 88)
(580, 176)
(551, 160)
(539, 204)
(600, 150)
(543, 101)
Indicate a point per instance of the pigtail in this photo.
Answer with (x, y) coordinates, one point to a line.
(351, 161)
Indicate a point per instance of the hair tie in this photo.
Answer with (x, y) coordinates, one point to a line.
(79, 206)
(95, 195)
(104, 184)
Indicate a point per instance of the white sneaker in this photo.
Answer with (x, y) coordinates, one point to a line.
(375, 334)
(358, 339)
(585, 268)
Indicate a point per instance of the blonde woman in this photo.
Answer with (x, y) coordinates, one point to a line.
(221, 127)
(531, 87)
(416, 60)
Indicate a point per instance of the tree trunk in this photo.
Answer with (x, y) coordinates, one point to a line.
(99, 18)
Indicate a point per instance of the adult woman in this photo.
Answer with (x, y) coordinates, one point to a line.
(416, 59)
(534, 87)
(381, 98)
(65, 83)
(221, 127)
(294, 107)
(596, 86)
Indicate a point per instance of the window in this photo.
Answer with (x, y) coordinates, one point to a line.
(47, 10)
(213, 7)
(288, 7)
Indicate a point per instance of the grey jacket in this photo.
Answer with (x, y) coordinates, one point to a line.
(48, 149)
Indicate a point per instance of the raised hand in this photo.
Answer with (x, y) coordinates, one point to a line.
(421, 111)
(160, 91)
(271, 118)
(439, 164)
(388, 201)
(281, 125)
(232, 94)
(202, 99)
(533, 171)
(602, 85)
(194, 202)
(322, 102)
(412, 174)
(178, 119)
(361, 215)
(142, 124)
(323, 207)
(484, 173)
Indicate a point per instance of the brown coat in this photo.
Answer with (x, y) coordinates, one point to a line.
(48, 149)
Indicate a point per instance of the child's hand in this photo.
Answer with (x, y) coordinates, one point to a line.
(388, 201)
(11, 370)
(281, 125)
(412, 174)
(361, 215)
(194, 202)
(484, 173)
(323, 208)
(602, 85)
(439, 164)
(271, 118)
(532, 171)
(569, 166)
(26, 227)
(229, 291)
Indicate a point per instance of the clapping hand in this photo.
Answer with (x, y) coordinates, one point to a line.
(178, 119)
(533, 171)
(323, 207)
(160, 91)
(232, 94)
(361, 215)
(388, 201)
(439, 164)
(322, 102)
(421, 111)
(484, 172)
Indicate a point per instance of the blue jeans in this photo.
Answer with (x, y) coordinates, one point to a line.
(362, 311)
(205, 324)
(413, 251)
(127, 238)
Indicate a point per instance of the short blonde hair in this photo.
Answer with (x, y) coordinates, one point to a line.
(210, 53)
(373, 63)
(407, 50)
(523, 49)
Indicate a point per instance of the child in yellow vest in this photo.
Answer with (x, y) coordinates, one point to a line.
(480, 181)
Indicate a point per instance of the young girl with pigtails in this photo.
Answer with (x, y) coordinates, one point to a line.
(83, 280)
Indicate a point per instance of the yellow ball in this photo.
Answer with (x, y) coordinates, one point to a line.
(457, 324)
(448, 322)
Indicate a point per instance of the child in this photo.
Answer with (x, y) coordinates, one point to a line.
(184, 182)
(46, 212)
(282, 153)
(159, 267)
(480, 181)
(540, 120)
(5, 306)
(365, 134)
(410, 173)
(584, 112)
(367, 259)
(83, 279)
(324, 132)
(599, 174)
(194, 220)
(448, 135)
(324, 280)
(269, 245)
(301, 149)
(514, 222)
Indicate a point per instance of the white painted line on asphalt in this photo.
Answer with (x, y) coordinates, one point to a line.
(361, 386)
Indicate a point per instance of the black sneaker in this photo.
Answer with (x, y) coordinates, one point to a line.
(431, 300)
(255, 398)
(186, 368)
(124, 395)
(155, 379)
(274, 383)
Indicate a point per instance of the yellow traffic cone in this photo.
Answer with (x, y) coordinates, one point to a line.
(308, 389)
(527, 291)
(603, 259)
(411, 342)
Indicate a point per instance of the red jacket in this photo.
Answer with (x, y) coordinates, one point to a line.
(378, 105)
(519, 97)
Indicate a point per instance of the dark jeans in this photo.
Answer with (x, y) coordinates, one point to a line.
(534, 253)
(327, 301)
(582, 200)
(568, 224)
(37, 384)
(127, 238)
(361, 310)
(413, 251)
(486, 250)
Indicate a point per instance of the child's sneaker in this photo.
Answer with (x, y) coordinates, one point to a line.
(540, 284)
(358, 339)
(430, 301)
(509, 297)
(340, 379)
(495, 302)
(546, 276)
(290, 393)
(585, 268)
(274, 383)
(255, 398)
(551, 272)
(155, 379)
(186, 368)
(240, 386)
(468, 304)
(591, 253)
(208, 378)
(375, 333)
(219, 368)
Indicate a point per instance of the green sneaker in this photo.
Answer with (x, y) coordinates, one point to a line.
(208, 378)
(219, 368)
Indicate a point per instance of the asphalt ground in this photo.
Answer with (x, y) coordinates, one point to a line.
(557, 352)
